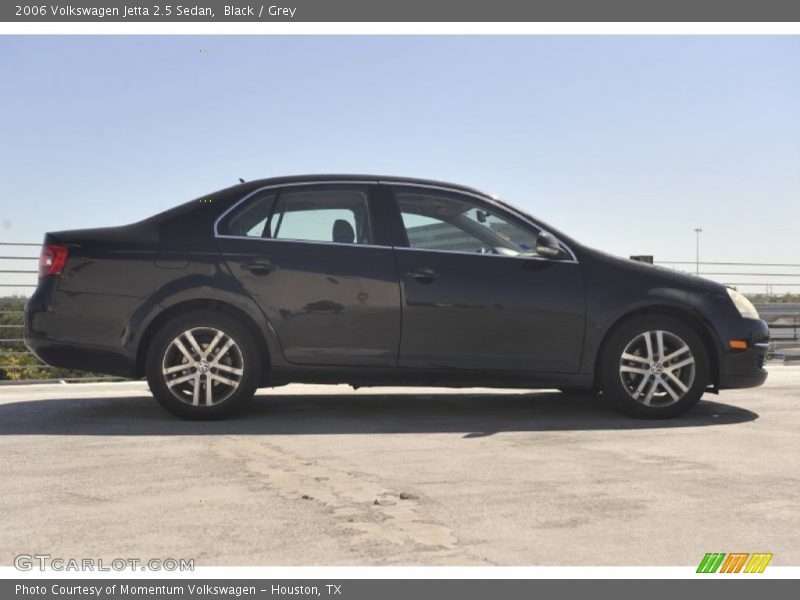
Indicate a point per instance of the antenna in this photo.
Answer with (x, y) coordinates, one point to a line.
(698, 231)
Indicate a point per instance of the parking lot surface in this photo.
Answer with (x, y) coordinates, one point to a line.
(320, 475)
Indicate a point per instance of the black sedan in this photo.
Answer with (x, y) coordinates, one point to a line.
(379, 281)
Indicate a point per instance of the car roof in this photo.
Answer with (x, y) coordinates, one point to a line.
(333, 177)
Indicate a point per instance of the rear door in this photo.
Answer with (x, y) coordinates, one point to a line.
(305, 253)
(475, 294)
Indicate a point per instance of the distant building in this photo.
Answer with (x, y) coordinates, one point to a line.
(443, 236)
(645, 258)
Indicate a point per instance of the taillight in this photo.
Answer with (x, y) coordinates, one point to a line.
(52, 260)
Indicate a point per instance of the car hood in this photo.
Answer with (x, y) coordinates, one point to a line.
(657, 274)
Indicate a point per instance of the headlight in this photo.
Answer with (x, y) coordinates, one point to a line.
(742, 304)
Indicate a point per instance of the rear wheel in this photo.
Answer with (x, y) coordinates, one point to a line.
(203, 365)
(655, 367)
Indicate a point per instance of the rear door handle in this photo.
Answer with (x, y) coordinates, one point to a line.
(258, 267)
(422, 274)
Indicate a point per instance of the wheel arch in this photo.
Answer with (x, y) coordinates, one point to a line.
(686, 315)
(202, 304)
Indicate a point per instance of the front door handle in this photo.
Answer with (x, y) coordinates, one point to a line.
(422, 274)
(258, 267)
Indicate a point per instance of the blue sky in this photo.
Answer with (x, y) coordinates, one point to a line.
(626, 143)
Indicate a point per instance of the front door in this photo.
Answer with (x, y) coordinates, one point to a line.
(475, 294)
(304, 253)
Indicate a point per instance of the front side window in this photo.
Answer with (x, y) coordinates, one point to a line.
(317, 213)
(442, 221)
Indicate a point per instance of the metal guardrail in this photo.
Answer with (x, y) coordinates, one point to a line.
(789, 326)
(756, 280)
(785, 335)
(766, 280)
(27, 284)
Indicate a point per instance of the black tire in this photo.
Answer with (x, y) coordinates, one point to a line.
(243, 356)
(621, 387)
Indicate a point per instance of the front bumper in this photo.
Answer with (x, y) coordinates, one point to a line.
(743, 368)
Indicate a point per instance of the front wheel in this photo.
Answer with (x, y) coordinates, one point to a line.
(655, 367)
(203, 365)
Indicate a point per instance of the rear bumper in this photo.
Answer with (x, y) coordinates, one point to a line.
(80, 358)
(744, 368)
(70, 341)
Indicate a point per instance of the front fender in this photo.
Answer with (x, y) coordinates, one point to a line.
(698, 307)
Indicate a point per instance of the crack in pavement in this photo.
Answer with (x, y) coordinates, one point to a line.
(372, 516)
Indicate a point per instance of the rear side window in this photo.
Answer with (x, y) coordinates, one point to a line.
(336, 214)
(322, 215)
(250, 218)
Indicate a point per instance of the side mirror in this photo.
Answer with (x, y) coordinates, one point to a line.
(548, 247)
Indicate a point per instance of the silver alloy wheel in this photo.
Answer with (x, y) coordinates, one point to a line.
(657, 368)
(202, 365)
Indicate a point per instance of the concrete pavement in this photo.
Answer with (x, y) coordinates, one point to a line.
(315, 475)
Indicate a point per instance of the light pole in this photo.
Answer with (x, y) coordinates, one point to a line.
(697, 231)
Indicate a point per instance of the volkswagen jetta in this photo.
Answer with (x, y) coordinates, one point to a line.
(379, 281)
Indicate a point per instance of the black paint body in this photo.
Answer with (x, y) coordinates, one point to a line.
(349, 313)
